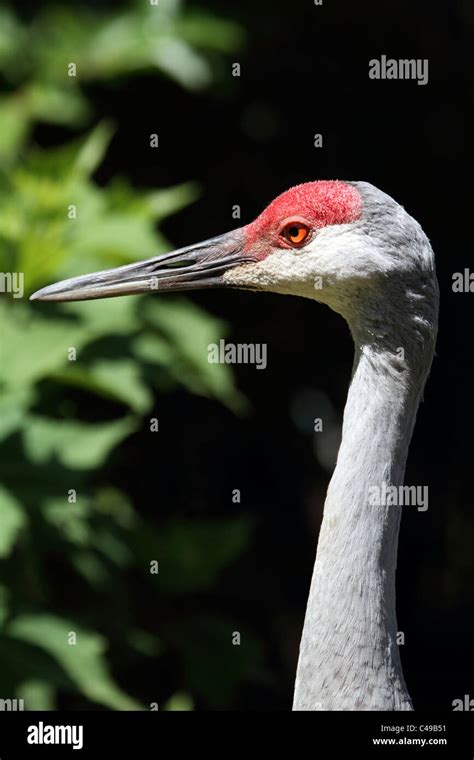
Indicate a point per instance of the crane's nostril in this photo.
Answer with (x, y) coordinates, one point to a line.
(179, 264)
(174, 264)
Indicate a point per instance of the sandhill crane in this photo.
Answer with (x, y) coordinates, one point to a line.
(352, 247)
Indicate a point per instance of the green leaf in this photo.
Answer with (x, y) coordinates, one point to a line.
(122, 235)
(33, 347)
(37, 695)
(92, 568)
(154, 350)
(12, 520)
(179, 702)
(209, 32)
(191, 331)
(56, 104)
(178, 59)
(15, 126)
(93, 149)
(145, 643)
(13, 406)
(111, 316)
(192, 554)
(84, 662)
(11, 36)
(75, 444)
(72, 520)
(115, 380)
(4, 606)
(163, 203)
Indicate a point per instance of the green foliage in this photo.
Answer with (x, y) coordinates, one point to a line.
(81, 657)
(179, 703)
(58, 507)
(181, 546)
(34, 57)
(13, 519)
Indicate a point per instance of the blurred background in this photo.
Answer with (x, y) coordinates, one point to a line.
(90, 496)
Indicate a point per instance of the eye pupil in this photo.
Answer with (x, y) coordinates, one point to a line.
(295, 233)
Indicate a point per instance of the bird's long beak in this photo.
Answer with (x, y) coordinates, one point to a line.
(197, 266)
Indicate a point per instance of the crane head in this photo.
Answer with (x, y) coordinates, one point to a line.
(327, 240)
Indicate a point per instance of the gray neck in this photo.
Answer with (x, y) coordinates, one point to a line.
(349, 657)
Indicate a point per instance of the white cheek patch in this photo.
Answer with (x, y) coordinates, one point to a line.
(305, 271)
(263, 275)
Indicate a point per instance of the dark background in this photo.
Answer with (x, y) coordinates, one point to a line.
(304, 70)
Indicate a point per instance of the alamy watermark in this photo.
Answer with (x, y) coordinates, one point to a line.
(12, 705)
(42, 733)
(401, 68)
(385, 495)
(12, 282)
(463, 282)
(237, 353)
(466, 704)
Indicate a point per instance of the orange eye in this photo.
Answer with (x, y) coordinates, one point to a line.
(295, 233)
